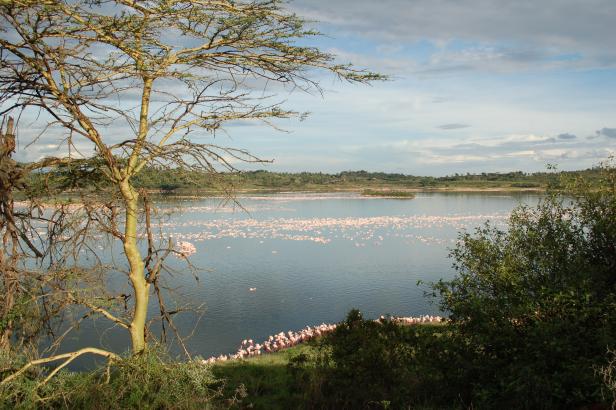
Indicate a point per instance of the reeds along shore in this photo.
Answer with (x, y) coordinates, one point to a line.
(282, 340)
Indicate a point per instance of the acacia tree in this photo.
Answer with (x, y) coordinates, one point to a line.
(142, 81)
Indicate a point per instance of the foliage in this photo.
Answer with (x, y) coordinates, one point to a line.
(180, 180)
(533, 308)
(367, 363)
(372, 364)
(151, 380)
(158, 178)
(308, 377)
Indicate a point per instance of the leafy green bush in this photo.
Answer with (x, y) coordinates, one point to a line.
(367, 363)
(533, 308)
(371, 364)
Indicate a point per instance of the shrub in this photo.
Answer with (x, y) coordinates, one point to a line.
(371, 364)
(533, 308)
(147, 381)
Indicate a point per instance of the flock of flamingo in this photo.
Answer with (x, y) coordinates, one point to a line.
(187, 224)
(358, 230)
(275, 343)
(361, 231)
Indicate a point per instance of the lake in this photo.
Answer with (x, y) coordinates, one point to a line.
(282, 262)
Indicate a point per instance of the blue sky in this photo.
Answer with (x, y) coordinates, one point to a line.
(476, 85)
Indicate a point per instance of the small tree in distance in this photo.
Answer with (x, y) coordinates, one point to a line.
(140, 80)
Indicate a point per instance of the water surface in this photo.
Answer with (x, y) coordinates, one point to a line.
(285, 261)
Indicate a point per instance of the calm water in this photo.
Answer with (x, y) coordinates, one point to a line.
(311, 259)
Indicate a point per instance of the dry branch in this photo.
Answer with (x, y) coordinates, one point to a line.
(68, 357)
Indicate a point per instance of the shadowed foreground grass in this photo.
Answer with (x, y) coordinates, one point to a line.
(156, 381)
(363, 365)
(312, 375)
(263, 382)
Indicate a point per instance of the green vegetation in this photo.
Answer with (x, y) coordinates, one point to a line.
(146, 381)
(532, 324)
(358, 363)
(374, 364)
(181, 181)
(388, 194)
(363, 364)
(267, 382)
(533, 308)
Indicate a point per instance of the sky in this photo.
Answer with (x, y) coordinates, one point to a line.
(475, 86)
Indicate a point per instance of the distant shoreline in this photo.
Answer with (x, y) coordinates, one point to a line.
(72, 198)
(359, 191)
(156, 180)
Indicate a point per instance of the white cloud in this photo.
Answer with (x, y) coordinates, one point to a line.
(534, 29)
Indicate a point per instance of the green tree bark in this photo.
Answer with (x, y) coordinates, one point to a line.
(136, 273)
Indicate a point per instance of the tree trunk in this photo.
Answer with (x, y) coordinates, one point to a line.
(9, 241)
(141, 287)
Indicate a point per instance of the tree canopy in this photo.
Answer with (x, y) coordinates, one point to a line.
(147, 82)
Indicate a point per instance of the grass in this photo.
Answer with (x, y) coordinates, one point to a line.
(265, 381)
(269, 382)
(288, 379)
(150, 381)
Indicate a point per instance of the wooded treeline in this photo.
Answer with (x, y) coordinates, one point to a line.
(178, 180)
